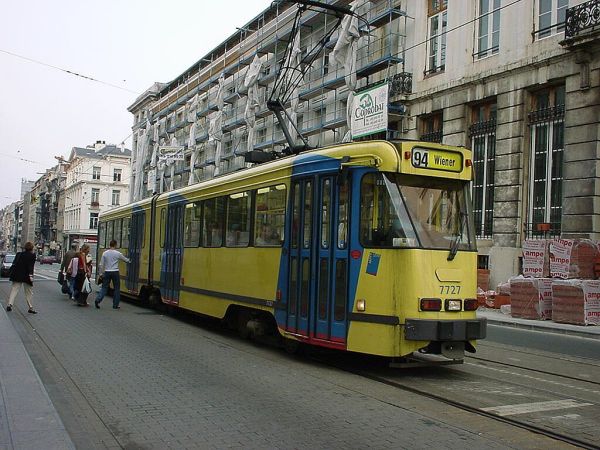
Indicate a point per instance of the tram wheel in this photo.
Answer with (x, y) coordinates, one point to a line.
(291, 346)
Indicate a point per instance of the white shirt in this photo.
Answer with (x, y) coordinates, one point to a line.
(110, 260)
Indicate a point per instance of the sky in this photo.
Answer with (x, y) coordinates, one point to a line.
(126, 45)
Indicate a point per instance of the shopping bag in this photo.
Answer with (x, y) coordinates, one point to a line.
(65, 287)
(100, 280)
(61, 277)
(87, 286)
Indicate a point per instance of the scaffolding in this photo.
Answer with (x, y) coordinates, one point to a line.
(323, 96)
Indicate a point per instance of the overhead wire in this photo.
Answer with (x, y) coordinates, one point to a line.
(70, 72)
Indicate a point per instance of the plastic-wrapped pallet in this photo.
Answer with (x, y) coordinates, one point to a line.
(536, 258)
(576, 301)
(531, 298)
(573, 258)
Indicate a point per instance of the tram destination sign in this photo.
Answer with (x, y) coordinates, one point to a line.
(427, 158)
(369, 111)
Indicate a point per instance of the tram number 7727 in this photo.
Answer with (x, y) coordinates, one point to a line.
(450, 290)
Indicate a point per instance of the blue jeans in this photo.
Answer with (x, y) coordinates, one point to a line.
(72, 287)
(116, 281)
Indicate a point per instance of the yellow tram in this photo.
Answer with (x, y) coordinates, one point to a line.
(367, 247)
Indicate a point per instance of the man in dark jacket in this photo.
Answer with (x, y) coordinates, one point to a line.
(21, 274)
(66, 262)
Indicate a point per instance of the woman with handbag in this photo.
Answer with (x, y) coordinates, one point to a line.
(21, 274)
(82, 271)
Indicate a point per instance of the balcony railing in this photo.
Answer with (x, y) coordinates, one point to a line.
(583, 17)
(542, 230)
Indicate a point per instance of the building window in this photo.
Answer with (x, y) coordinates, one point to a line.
(116, 195)
(95, 197)
(546, 122)
(488, 28)
(93, 221)
(117, 174)
(431, 126)
(551, 17)
(483, 143)
(438, 23)
(95, 173)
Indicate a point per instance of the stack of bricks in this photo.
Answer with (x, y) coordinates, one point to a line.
(576, 302)
(531, 298)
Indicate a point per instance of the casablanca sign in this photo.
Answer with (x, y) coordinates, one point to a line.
(369, 111)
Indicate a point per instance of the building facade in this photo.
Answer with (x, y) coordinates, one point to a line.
(518, 82)
(96, 180)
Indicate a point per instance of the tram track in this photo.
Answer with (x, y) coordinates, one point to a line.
(464, 406)
(542, 372)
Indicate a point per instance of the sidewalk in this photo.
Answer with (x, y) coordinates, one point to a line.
(495, 317)
(28, 419)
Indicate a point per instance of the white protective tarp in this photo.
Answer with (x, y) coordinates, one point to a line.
(215, 128)
(191, 109)
(344, 55)
(252, 101)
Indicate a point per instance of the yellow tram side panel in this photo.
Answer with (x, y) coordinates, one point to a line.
(249, 272)
(403, 278)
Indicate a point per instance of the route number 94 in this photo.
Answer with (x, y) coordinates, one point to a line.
(420, 158)
(450, 290)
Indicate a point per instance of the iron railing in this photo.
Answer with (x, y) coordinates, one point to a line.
(585, 16)
(542, 230)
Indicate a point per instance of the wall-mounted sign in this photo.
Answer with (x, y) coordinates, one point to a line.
(369, 111)
(170, 153)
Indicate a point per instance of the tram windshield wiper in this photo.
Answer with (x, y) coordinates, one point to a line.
(458, 238)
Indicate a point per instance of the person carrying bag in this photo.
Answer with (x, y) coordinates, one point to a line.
(21, 274)
(81, 271)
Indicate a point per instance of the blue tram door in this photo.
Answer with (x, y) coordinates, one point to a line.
(136, 240)
(172, 254)
(318, 263)
(331, 281)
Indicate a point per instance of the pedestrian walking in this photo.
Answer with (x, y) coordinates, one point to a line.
(66, 262)
(109, 270)
(21, 274)
(80, 270)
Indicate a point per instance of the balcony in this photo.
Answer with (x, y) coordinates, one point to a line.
(582, 24)
(94, 205)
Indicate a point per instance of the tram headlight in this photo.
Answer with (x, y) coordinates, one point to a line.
(361, 304)
(452, 305)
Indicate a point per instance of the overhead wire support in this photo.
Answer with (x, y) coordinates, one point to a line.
(290, 76)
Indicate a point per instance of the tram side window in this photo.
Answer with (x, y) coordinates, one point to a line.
(212, 226)
(269, 222)
(383, 218)
(163, 228)
(342, 237)
(102, 235)
(117, 232)
(238, 219)
(125, 233)
(109, 230)
(191, 225)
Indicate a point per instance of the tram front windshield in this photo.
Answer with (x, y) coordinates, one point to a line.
(419, 212)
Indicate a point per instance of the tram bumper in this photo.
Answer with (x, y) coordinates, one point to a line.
(445, 330)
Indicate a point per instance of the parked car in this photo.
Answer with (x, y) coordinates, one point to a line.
(7, 261)
(47, 259)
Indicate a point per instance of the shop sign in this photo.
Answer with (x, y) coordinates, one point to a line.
(369, 111)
